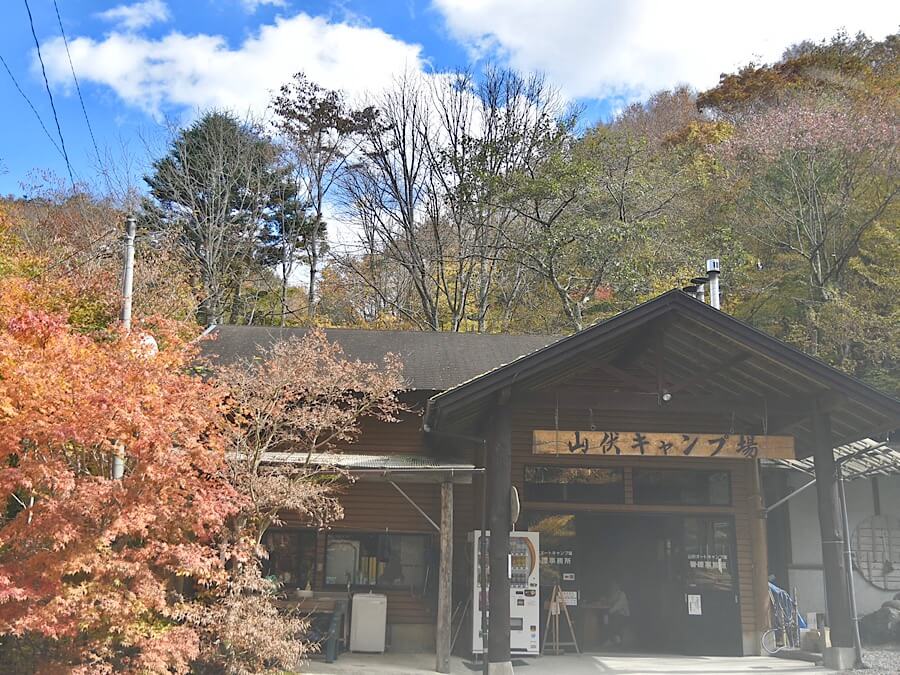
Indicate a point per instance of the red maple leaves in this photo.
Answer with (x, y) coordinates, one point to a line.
(86, 560)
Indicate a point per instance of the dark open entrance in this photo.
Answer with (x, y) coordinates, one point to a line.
(678, 574)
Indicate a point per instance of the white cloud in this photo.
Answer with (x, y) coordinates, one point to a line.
(610, 48)
(253, 5)
(137, 16)
(178, 72)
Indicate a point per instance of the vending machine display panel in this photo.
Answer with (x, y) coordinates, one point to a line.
(524, 595)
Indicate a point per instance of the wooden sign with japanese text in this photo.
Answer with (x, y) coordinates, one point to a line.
(612, 443)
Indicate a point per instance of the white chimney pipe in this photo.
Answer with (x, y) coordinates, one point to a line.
(712, 271)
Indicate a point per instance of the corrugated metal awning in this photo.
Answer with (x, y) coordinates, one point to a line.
(390, 467)
(861, 459)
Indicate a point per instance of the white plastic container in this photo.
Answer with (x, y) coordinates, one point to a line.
(368, 624)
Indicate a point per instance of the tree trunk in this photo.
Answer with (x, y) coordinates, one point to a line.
(311, 291)
(235, 304)
(312, 251)
(211, 306)
(284, 284)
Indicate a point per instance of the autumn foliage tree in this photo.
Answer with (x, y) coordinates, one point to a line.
(160, 571)
(87, 563)
(304, 396)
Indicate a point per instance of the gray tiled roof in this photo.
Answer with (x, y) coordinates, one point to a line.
(432, 361)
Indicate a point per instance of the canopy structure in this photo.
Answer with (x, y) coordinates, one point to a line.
(672, 364)
(861, 459)
(391, 467)
(674, 353)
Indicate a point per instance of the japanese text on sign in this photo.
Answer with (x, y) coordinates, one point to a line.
(733, 446)
(556, 557)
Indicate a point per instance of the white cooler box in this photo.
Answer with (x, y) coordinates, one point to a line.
(368, 623)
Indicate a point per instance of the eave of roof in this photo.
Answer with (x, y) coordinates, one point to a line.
(389, 467)
(362, 461)
(506, 374)
(432, 361)
(476, 391)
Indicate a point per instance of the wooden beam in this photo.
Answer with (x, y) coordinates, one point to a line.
(499, 476)
(636, 442)
(759, 548)
(458, 477)
(445, 587)
(836, 594)
(779, 424)
(626, 377)
(785, 417)
(705, 404)
(642, 342)
(660, 349)
(706, 373)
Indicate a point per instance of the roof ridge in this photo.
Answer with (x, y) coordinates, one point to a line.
(554, 336)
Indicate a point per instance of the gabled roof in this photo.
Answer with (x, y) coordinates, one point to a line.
(432, 361)
(726, 361)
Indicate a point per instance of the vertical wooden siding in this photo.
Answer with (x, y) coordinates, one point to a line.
(376, 507)
(525, 420)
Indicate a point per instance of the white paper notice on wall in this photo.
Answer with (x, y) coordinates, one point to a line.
(570, 597)
(694, 606)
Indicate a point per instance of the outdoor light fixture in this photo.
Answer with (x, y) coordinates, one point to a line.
(666, 396)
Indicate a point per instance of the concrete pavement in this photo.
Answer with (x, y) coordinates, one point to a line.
(570, 664)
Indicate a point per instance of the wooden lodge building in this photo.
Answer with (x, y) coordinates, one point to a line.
(633, 447)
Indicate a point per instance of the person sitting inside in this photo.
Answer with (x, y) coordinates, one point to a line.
(618, 612)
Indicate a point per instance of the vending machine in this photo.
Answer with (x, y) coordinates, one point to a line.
(524, 592)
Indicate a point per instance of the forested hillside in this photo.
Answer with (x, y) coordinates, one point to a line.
(485, 202)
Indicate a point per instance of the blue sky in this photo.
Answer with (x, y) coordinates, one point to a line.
(145, 63)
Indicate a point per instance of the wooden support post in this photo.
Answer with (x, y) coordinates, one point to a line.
(836, 594)
(499, 476)
(445, 588)
(760, 556)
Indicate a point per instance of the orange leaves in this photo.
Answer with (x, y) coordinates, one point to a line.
(81, 554)
(35, 328)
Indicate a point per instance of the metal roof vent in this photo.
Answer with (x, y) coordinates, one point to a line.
(713, 271)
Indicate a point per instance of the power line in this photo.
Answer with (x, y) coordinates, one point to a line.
(99, 254)
(75, 79)
(62, 140)
(30, 104)
(83, 249)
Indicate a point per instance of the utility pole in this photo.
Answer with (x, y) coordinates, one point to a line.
(128, 272)
(118, 469)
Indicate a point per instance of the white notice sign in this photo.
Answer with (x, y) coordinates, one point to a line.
(694, 606)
